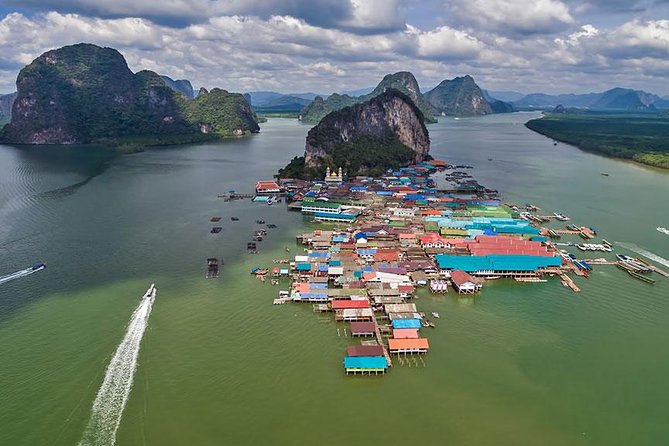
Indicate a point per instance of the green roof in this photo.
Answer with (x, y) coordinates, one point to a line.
(323, 204)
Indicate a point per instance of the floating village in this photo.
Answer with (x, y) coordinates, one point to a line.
(378, 240)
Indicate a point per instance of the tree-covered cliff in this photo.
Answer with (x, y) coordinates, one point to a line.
(84, 94)
(387, 131)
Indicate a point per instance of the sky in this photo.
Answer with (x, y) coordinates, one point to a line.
(322, 46)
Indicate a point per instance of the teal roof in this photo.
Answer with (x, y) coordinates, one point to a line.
(303, 266)
(406, 323)
(496, 262)
(365, 362)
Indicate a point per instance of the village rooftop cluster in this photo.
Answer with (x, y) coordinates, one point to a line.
(379, 239)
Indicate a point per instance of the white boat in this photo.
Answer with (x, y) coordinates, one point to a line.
(435, 314)
(663, 230)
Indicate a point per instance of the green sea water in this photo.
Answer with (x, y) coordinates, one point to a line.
(519, 364)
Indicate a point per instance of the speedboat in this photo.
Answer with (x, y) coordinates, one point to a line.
(623, 258)
(663, 230)
(435, 314)
(38, 266)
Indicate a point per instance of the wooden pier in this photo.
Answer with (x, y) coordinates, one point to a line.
(568, 282)
(379, 339)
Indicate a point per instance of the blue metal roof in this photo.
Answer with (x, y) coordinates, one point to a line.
(496, 262)
(406, 323)
(303, 266)
(319, 296)
(365, 362)
(318, 286)
(335, 215)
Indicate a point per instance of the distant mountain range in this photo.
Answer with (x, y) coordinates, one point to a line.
(614, 99)
(273, 102)
(457, 97)
(402, 81)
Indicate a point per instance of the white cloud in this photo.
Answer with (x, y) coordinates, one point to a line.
(445, 43)
(288, 53)
(520, 17)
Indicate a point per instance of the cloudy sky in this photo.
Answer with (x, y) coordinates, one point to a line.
(322, 46)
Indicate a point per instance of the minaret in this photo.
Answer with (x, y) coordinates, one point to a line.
(327, 173)
(340, 174)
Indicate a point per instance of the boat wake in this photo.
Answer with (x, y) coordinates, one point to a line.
(117, 384)
(19, 274)
(645, 253)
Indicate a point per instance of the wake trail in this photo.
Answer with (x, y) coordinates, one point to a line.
(17, 275)
(645, 253)
(116, 386)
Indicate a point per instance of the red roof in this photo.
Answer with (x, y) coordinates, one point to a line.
(387, 255)
(267, 185)
(405, 288)
(363, 327)
(364, 350)
(460, 277)
(408, 344)
(347, 304)
(405, 333)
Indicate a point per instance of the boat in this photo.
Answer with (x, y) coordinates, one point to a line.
(215, 219)
(607, 243)
(663, 230)
(38, 266)
(216, 229)
(260, 222)
(212, 268)
(623, 257)
(435, 314)
(604, 174)
(641, 277)
(234, 218)
(560, 216)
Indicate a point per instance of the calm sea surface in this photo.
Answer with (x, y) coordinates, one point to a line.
(520, 364)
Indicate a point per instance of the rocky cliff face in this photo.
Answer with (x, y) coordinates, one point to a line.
(385, 132)
(403, 81)
(6, 102)
(462, 97)
(84, 93)
(406, 83)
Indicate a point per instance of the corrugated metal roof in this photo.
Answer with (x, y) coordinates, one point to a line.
(405, 333)
(408, 344)
(406, 323)
(342, 304)
(364, 350)
(363, 327)
(365, 362)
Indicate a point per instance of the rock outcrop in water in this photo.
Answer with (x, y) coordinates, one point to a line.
(84, 93)
(462, 97)
(384, 132)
